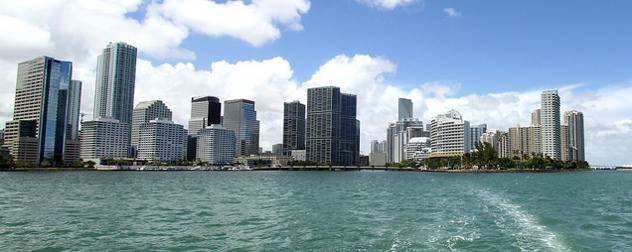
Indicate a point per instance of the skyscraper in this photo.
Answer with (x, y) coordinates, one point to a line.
(333, 132)
(41, 97)
(73, 110)
(161, 139)
(145, 112)
(405, 109)
(115, 82)
(550, 124)
(241, 117)
(293, 127)
(449, 135)
(216, 145)
(574, 120)
(104, 138)
(205, 111)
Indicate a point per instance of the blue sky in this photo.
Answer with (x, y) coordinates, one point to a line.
(488, 59)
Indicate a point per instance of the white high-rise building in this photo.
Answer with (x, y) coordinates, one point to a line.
(418, 148)
(115, 83)
(161, 140)
(145, 112)
(550, 124)
(216, 145)
(450, 135)
(103, 138)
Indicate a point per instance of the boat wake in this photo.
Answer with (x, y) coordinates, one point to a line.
(528, 233)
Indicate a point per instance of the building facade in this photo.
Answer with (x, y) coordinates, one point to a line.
(73, 111)
(293, 127)
(205, 111)
(449, 135)
(240, 116)
(145, 112)
(476, 131)
(404, 109)
(161, 140)
(216, 145)
(550, 124)
(332, 130)
(103, 138)
(574, 121)
(42, 93)
(397, 136)
(418, 148)
(115, 83)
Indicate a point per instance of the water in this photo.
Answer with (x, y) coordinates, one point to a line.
(315, 211)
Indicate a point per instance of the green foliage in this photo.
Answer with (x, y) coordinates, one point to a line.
(6, 161)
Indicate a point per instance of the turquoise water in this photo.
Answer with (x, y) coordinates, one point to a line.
(315, 211)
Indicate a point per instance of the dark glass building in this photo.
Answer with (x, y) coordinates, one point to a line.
(333, 132)
(293, 127)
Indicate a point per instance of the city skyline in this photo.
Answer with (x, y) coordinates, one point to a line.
(448, 56)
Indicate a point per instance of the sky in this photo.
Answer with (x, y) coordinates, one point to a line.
(489, 60)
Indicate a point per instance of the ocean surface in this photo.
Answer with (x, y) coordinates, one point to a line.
(315, 211)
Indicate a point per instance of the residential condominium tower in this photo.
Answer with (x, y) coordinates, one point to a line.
(574, 120)
(145, 112)
(162, 140)
(40, 112)
(103, 138)
(241, 117)
(332, 130)
(115, 82)
(293, 127)
(449, 135)
(550, 124)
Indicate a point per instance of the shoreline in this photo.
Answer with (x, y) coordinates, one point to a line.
(301, 168)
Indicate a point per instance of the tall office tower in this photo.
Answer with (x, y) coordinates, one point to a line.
(349, 130)
(450, 135)
(550, 124)
(535, 117)
(104, 138)
(241, 117)
(397, 136)
(293, 127)
(205, 111)
(216, 145)
(476, 131)
(161, 139)
(143, 113)
(405, 109)
(115, 82)
(73, 110)
(332, 131)
(575, 121)
(41, 96)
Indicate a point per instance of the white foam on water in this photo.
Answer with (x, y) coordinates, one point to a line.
(529, 229)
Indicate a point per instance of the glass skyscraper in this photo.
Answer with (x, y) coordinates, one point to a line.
(332, 130)
(241, 117)
(42, 94)
(115, 82)
(205, 111)
(293, 127)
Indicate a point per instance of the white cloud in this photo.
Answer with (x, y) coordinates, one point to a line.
(452, 12)
(386, 4)
(255, 23)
